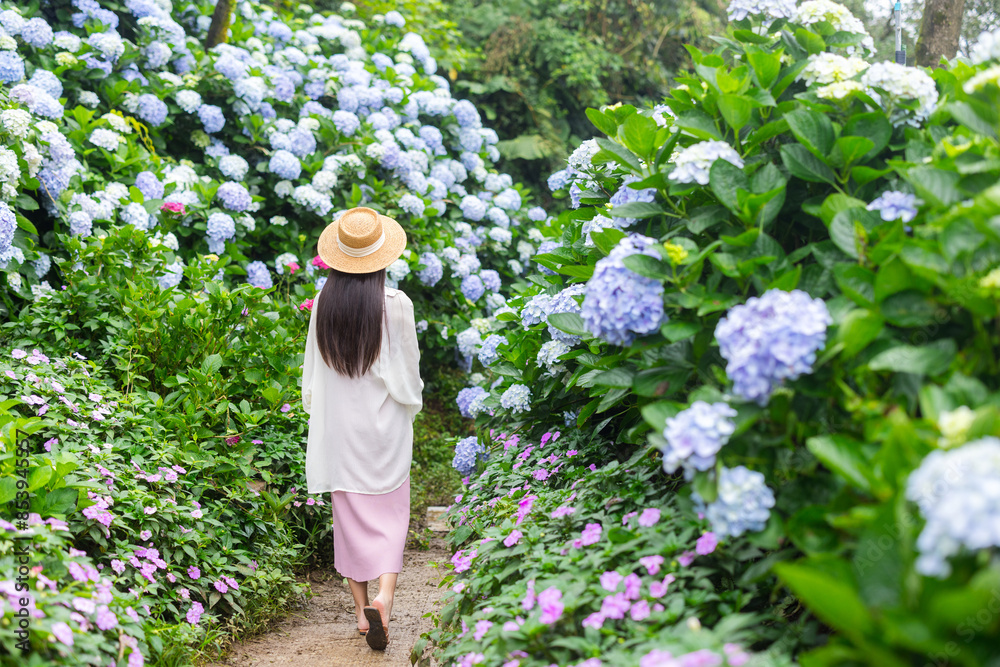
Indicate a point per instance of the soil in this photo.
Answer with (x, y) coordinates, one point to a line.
(325, 632)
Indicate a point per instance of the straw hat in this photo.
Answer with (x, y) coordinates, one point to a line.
(361, 241)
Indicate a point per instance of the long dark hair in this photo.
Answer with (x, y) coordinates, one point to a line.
(349, 321)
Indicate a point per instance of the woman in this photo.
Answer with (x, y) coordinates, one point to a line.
(361, 387)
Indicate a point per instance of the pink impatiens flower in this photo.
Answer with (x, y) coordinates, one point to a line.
(528, 603)
(640, 610)
(649, 517)
(651, 563)
(550, 603)
(706, 544)
(686, 558)
(482, 627)
(633, 585)
(591, 534)
(514, 537)
(615, 606)
(658, 589)
(562, 511)
(63, 633)
(610, 581)
(286, 407)
(194, 572)
(221, 586)
(194, 613)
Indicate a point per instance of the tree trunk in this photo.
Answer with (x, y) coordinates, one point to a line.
(939, 31)
(218, 32)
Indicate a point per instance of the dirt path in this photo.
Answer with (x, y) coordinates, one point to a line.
(325, 633)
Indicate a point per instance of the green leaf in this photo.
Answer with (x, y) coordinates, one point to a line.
(857, 330)
(676, 331)
(725, 179)
(931, 359)
(813, 129)
(936, 186)
(736, 109)
(965, 114)
(833, 599)
(211, 364)
(844, 456)
(620, 378)
(603, 122)
(619, 154)
(873, 126)
(750, 37)
(637, 209)
(639, 133)
(765, 65)
(657, 414)
(607, 239)
(803, 164)
(767, 131)
(570, 323)
(647, 266)
(848, 150)
(8, 489)
(847, 228)
(810, 41)
(39, 477)
(788, 280)
(856, 282)
(698, 124)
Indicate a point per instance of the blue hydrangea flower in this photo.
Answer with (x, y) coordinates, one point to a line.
(695, 435)
(473, 208)
(549, 353)
(234, 196)
(8, 225)
(470, 401)
(468, 452)
(284, 165)
(693, 163)
(157, 54)
(517, 398)
(771, 339)
(230, 67)
(412, 204)
(221, 226)
(152, 109)
(491, 279)
(37, 33)
(468, 342)
(559, 180)
(211, 118)
(770, 10)
(11, 67)
(537, 214)
(620, 304)
(172, 277)
(956, 491)
(488, 352)
(466, 114)
(347, 123)
(473, 288)
(149, 185)
(470, 140)
(509, 199)
(535, 310)
(136, 215)
(80, 224)
(501, 235)
(625, 195)
(895, 205)
(564, 302)
(466, 265)
(398, 270)
(744, 503)
(432, 271)
(47, 81)
(259, 276)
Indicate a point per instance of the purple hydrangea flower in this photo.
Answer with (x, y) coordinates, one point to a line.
(284, 165)
(626, 195)
(472, 287)
(470, 401)
(149, 185)
(695, 435)
(488, 351)
(258, 275)
(468, 451)
(771, 339)
(618, 303)
(895, 205)
(211, 118)
(433, 269)
(152, 109)
(744, 502)
(234, 196)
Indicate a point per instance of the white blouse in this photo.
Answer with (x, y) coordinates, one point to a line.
(361, 429)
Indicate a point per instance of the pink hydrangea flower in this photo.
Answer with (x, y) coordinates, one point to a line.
(319, 263)
(173, 207)
(306, 305)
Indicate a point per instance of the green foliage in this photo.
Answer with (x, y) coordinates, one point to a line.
(539, 65)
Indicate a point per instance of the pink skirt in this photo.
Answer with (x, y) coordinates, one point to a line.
(369, 532)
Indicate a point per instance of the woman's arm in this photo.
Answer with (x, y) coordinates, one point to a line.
(402, 377)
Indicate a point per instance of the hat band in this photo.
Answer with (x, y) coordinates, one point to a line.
(361, 252)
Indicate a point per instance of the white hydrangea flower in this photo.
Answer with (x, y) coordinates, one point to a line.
(580, 159)
(839, 90)
(89, 98)
(979, 81)
(825, 68)
(279, 221)
(955, 425)
(17, 122)
(900, 82)
(692, 163)
(987, 47)
(33, 158)
(117, 123)
(771, 10)
(958, 495)
(837, 15)
(325, 181)
(283, 188)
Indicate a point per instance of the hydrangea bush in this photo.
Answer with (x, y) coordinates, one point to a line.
(784, 284)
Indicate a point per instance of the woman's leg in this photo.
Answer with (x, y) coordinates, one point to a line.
(386, 591)
(359, 589)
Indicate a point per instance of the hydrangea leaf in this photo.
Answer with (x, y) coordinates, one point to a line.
(931, 359)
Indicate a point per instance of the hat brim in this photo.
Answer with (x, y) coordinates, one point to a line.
(331, 254)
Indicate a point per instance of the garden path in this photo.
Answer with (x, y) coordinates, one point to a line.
(325, 633)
